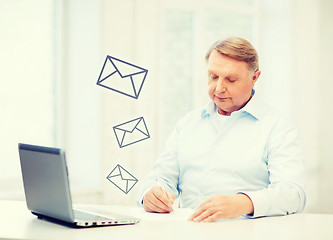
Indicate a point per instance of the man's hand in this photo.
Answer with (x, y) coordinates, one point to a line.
(158, 200)
(219, 206)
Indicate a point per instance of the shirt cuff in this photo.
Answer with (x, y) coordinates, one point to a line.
(260, 201)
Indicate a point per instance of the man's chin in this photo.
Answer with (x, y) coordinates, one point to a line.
(223, 106)
(223, 111)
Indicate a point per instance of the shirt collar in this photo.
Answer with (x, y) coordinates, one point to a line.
(208, 110)
(253, 107)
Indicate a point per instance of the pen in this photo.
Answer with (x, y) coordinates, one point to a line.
(160, 185)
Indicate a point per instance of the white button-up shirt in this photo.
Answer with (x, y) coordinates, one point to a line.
(254, 151)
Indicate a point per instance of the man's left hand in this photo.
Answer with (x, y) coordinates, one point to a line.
(219, 206)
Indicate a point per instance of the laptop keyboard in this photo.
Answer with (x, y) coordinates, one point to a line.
(88, 217)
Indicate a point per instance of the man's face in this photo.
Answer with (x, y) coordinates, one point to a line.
(230, 82)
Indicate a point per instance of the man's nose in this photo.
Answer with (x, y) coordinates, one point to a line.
(220, 86)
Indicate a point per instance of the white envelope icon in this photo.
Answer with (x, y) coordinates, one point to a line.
(122, 179)
(131, 132)
(122, 77)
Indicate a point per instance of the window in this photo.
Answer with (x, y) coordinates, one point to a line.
(48, 95)
(26, 92)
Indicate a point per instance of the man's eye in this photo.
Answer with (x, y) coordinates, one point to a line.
(231, 80)
(213, 76)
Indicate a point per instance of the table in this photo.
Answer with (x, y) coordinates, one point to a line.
(18, 223)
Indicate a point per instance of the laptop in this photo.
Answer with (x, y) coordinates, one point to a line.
(47, 192)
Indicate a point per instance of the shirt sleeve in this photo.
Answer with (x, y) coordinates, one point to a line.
(165, 169)
(285, 163)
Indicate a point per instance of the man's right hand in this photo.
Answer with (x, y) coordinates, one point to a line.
(155, 200)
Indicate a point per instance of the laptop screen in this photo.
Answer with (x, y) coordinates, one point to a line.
(45, 180)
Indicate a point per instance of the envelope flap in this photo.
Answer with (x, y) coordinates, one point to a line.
(128, 126)
(119, 182)
(126, 175)
(126, 69)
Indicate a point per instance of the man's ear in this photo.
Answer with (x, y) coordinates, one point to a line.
(256, 76)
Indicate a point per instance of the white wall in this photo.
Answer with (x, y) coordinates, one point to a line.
(324, 80)
(311, 59)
